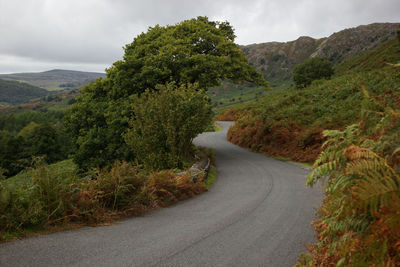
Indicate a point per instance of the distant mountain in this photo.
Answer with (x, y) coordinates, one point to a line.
(14, 92)
(55, 79)
(277, 60)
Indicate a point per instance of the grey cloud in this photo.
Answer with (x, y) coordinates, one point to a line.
(91, 33)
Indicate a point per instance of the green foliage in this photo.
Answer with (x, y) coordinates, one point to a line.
(312, 69)
(28, 130)
(28, 134)
(358, 222)
(44, 140)
(13, 156)
(14, 122)
(165, 123)
(193, 51)
(46, 198)
(97, 125)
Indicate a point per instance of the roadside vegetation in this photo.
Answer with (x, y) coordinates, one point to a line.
(48, 195)
(290, 123)
(131, 133)
(349, 128)
(358, 222)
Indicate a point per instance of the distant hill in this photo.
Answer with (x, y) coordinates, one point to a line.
(55, 79)
(276, 60)
(14, 92)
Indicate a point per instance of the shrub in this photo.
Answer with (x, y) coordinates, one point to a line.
(165, 123)
(165, 187)
(312, 69)
(117, 186)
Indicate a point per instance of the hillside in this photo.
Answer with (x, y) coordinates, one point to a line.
(276, 60)
(55, 79)
(15, 92)
(289, 123)
(230, 94)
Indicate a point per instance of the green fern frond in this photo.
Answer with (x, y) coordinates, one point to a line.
(377, 186)
(323, 169)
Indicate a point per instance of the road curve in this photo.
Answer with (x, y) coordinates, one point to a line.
(257, 213)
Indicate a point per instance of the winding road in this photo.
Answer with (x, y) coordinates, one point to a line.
(258, 213)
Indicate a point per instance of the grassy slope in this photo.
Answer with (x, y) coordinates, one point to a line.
(230, 94)
(289, 123)
(374, 59)
(14, 92)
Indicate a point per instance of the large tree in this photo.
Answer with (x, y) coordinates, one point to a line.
(193, 51)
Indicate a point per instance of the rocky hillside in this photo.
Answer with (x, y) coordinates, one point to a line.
(277, 60)
(55, 79)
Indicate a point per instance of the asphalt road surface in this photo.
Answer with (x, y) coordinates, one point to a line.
(258, 213)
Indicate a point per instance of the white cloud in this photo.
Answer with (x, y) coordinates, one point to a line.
(39, 34)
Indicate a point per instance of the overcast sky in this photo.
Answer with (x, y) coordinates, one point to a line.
(39, 35)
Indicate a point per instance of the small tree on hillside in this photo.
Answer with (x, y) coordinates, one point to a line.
(312, 69)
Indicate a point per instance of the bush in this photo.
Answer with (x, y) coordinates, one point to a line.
(116, 187)
(165, 124)
(165, 187)
(358, 223)
(56, 195)
(312, 69)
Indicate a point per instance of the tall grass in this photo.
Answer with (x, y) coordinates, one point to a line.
(52, 197)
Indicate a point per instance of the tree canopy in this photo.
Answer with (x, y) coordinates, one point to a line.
(193, 51)
(312, 69)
